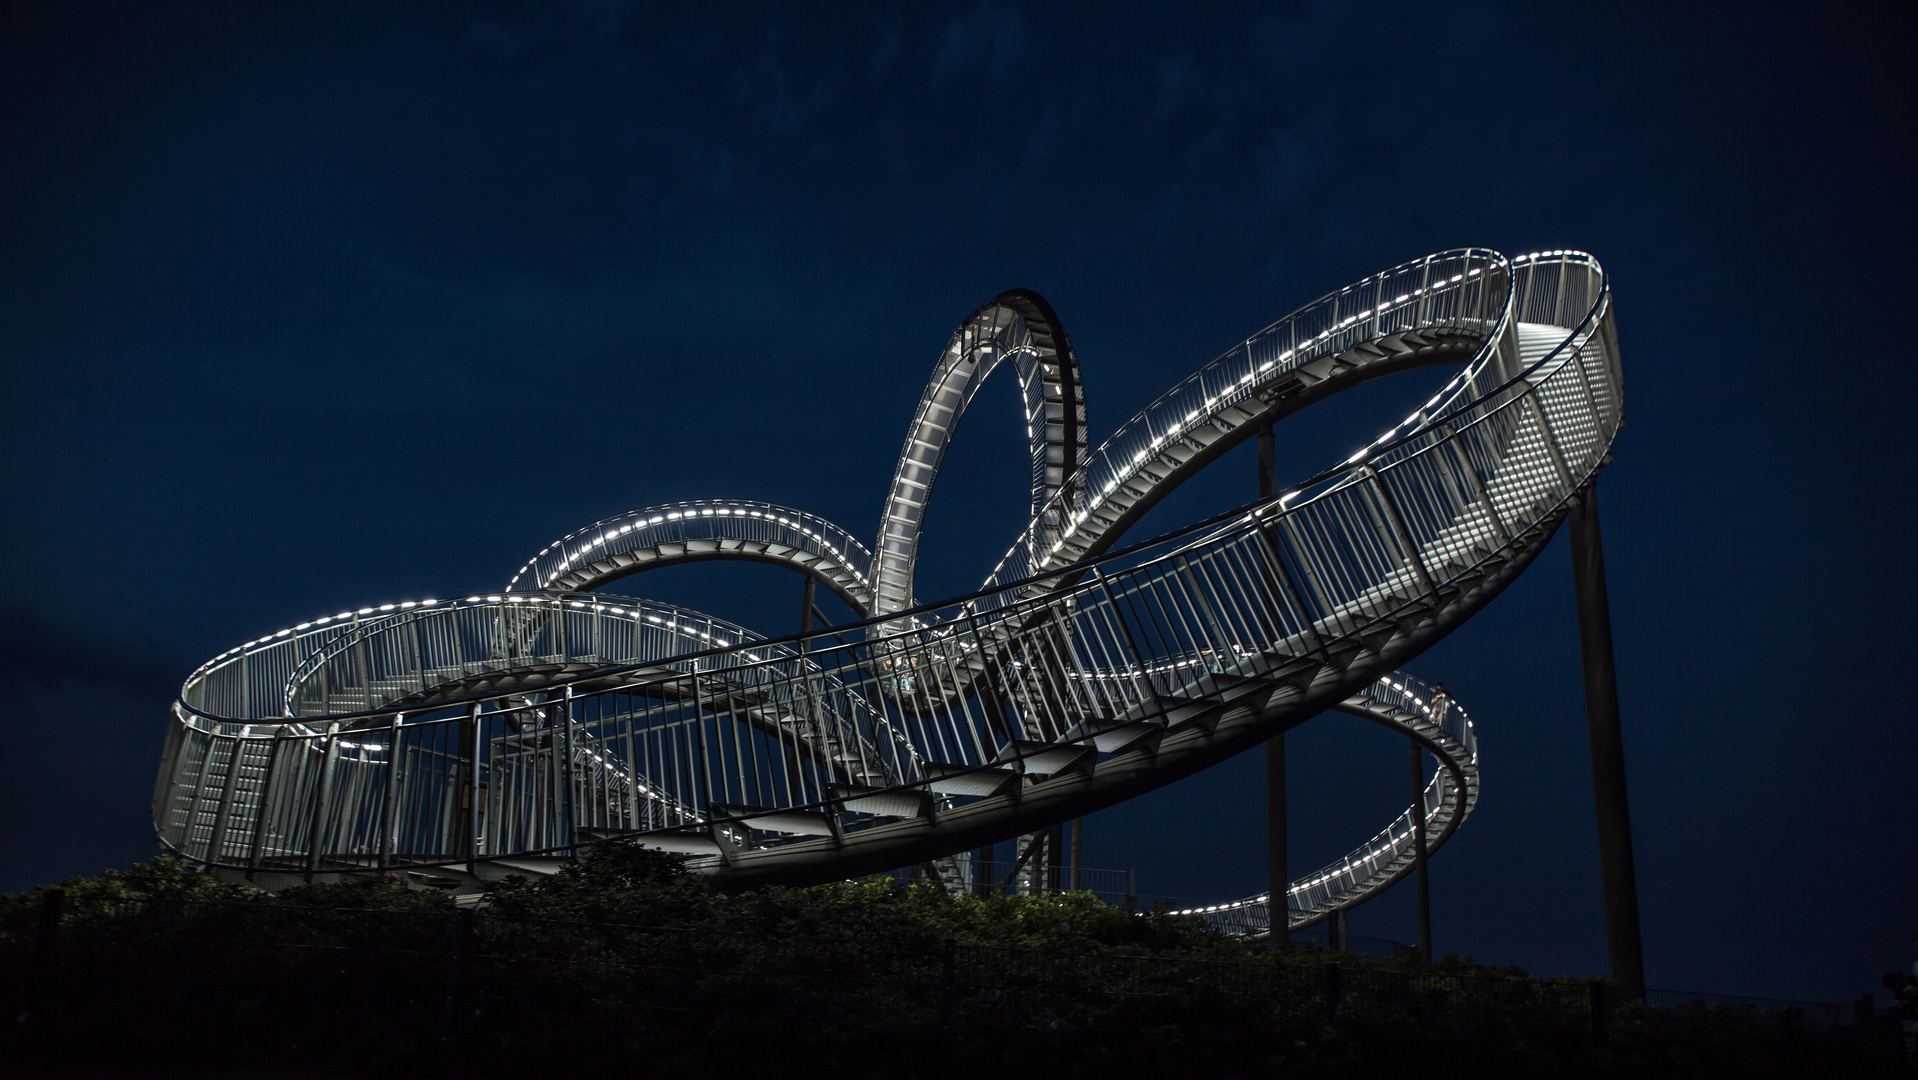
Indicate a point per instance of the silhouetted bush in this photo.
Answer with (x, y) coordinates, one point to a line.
(624, 960)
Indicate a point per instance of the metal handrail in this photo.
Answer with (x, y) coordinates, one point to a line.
(256, 681)
(1034, 706)
(1375, 865)
(1455, 289)
(600, 544)
(1397, 439)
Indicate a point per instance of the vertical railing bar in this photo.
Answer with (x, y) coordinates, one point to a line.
(986, 680)
(1151, 596)
(1395, 525)
(1178, 606)
(316, 828)
(1122, 690)
(191, 818)
(217, 842)
(1449, 438)
(1224, 572)
(1279, 585)
(699, 733)
(1043, 634)
(476, 737)
(387, 816)
(944, 657)
(1064, 628)
(1551, 440)
(1106, 656)
(1149, 695)
(1302, 557)
(761, 794)
(1266, 605)
(1187, 585)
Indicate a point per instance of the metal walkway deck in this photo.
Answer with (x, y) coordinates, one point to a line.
(472, 738)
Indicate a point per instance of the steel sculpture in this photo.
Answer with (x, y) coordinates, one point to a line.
(473, 738)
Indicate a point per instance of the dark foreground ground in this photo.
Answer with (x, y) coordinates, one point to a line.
(626, 963)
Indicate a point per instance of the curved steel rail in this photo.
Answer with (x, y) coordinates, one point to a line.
(1426, 713)
(1435, 310)
(1062, 687)
(1017, 325)
(698, 531)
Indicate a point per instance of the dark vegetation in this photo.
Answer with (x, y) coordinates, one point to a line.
(626, 961)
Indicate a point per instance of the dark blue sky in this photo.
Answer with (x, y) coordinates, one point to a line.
(305, 312)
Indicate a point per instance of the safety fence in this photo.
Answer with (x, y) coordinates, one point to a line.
(436, 733)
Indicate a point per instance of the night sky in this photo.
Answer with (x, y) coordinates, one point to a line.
(305, 313)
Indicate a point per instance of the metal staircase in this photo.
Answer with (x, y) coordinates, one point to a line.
(472, 738)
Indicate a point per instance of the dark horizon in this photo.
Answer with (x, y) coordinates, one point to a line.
(306, 311)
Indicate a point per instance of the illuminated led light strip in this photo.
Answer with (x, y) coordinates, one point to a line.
(843, 549)
(1240, 390)
(1362, 866)
(579, 548)
(289, 635)
(677, 621)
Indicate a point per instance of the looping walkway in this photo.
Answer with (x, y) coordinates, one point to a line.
(463, 740)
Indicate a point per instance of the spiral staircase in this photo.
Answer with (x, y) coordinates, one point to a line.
(464, 740)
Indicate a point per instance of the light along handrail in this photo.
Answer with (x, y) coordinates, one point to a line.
(1072, 694)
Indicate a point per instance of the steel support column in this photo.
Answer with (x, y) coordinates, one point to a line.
(470, 761)
(1278, 881)
(1418, 851)
(316, 833)
(806, 603)
(1078, 863)
(1624, 949)
(217, 841)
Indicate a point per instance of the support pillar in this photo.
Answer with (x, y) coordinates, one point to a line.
(1419, 853)
(1624, 950)
(1078, 846)
(1278, 881)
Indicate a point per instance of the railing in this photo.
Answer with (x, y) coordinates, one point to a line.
(1429, 714)
(995, 692)
(1020, 327)
(1464, 291)
(583, 559)
(377, 655)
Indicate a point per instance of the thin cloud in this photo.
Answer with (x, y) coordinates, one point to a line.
(37, 651)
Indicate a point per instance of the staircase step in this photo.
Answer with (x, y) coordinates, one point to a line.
(772, 819)
(968, 779)
(881, 802)
(1044, 759)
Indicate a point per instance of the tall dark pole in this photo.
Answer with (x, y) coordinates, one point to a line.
(1277, 881)
(1418, 851)
(806, 600)
(1078, 842)
(1627, 955)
